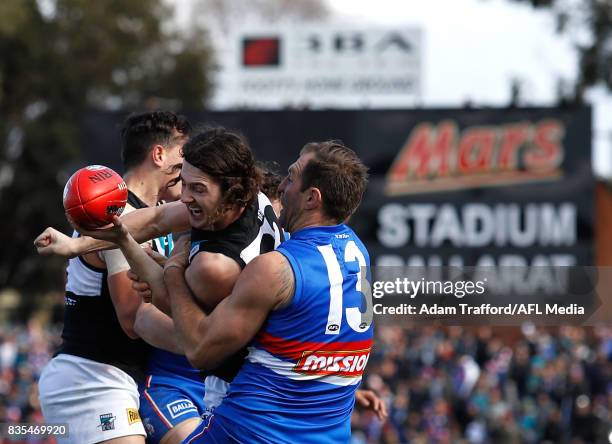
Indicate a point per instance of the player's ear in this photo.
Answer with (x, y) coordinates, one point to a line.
(314, 199)
(158, 154)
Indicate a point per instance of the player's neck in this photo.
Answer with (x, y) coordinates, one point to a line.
(313, 220)
(143, 185)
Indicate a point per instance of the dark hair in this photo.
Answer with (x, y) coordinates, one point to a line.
(227, 158)
(339, 174)
(141, 131)
(271, 179)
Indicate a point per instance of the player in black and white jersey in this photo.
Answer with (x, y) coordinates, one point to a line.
(230, 222)
(91, 383)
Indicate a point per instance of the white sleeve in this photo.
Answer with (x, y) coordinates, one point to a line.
(114, 259)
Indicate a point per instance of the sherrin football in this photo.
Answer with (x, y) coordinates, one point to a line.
(93, 195)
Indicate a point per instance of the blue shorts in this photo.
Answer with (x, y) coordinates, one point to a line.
(211, 431)
(166, 401)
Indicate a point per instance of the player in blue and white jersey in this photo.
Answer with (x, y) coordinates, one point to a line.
(300, 310)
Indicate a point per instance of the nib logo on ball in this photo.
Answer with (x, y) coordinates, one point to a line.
(93, 195)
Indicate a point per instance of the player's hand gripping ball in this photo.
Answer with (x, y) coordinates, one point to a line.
(93, 195)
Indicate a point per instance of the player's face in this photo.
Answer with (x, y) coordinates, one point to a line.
(173, 188)
(202, 196)
(174, 154)
(291, 196)
(173, 160)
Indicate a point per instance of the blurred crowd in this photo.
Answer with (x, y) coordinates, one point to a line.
(441, 385)
(24, 351)
(483, 385)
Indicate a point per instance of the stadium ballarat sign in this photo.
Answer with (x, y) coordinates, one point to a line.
(494, 187)
(490, 189)
(320, 66)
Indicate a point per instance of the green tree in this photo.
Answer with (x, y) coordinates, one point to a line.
(590, 24)
(224, 16)
(59, 58)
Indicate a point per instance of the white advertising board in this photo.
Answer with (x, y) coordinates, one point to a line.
(320, 67)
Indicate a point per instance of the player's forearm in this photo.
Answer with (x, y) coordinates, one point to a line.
(144, 266)
(215, 345)
(157, 329)
(143, 224)
(78, 246)
(148, 223)
(85, 244)
(185, 313)
(161, 301)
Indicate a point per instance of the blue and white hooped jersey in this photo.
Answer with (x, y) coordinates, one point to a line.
(299, 380)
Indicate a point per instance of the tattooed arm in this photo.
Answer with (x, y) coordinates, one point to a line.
(266, 284)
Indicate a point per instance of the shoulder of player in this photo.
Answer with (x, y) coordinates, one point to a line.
(213, 266)
(271, 273)
(269, 261)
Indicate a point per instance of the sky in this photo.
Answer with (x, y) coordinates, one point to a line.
(472, 49)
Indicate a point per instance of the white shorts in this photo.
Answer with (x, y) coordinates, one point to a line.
(98, 401)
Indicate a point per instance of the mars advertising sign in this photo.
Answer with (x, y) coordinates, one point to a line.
(444, 157)
(489, 189)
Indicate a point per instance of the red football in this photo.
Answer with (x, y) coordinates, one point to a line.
(93, 195)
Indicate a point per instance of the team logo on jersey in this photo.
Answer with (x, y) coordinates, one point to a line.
(347, 364)
(180, 407)
(107, 422)
(132, 416)
(194, 249)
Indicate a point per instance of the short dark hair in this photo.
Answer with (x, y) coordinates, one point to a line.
(271, 179)
(339, 174)
(227, 158)
(141, 131)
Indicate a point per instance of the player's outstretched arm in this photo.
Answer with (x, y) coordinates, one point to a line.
(144, 224)
(125, 300)
(147, 269)
(52, 242)
(266, 284)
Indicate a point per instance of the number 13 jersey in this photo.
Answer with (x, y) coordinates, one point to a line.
(299, 379)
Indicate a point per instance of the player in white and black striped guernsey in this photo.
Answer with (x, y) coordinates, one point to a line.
(91, 383)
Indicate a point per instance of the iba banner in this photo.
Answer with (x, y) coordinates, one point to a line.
(491, 187)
